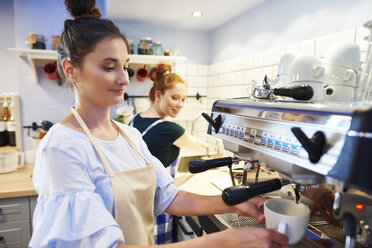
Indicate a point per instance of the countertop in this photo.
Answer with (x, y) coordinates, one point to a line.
(17, 183)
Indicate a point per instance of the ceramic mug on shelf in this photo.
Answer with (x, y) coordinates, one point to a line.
(141, 74)
(289, 217)
(50, 71)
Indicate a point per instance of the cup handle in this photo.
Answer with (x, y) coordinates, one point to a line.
(318, 71)
(282, 227)
(349, 75)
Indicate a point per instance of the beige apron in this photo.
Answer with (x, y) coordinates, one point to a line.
(134, 193)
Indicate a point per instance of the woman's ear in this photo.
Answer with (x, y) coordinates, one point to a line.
(69, 70)
(157, 95)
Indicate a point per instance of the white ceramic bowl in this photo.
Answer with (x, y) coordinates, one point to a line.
(307, 68)
(342, 53)
(10, 160)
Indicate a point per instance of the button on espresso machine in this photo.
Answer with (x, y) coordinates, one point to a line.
(308, 144)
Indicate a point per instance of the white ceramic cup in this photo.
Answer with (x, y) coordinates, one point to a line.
(284, 67)
(345, 54)
(339, 75)
(339, 93)
(307, 68)
(288, 217)
(318, 89)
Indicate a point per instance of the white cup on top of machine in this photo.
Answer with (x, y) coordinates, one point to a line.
(308, 70)
(284, 66)
(289, 217)
(342, 64)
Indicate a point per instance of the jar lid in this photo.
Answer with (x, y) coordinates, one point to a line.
(157, 42)
(146, 38)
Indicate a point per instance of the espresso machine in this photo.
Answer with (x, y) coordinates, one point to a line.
(308, 144)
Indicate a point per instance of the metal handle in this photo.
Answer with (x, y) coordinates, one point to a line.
(314, 146)
(183, 227)
(203, 165)
(216, 123)
(238, 194)
(298, 92)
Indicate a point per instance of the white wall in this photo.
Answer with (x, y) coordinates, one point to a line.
(8, 66)
(276, 23)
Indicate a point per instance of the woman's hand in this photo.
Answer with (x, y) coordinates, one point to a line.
(323, 202)
(252, 207)
(252, 237)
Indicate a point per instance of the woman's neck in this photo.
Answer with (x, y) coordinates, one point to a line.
(153, 112)
(95, 117)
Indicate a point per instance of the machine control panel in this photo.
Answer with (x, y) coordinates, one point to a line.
(262, 138)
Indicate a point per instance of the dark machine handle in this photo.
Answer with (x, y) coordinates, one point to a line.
(314, 146)
(198, 166)
(1, 238)
(238, 194)
(216, 123)
(298, 92)
(183, 227)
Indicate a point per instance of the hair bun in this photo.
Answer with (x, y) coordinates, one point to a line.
(159, 70)
(83, 9)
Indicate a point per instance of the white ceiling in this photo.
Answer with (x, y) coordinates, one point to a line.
(177, 13)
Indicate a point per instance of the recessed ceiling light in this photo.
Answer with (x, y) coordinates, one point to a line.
(197, 13)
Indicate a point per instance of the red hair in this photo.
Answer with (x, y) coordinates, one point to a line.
(163, 79)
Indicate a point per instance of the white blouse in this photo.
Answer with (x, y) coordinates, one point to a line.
(75, 205)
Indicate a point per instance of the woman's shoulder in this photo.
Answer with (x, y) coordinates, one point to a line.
(171, 126)
(63, 138)
(132, 132)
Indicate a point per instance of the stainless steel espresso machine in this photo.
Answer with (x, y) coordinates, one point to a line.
(308, 144)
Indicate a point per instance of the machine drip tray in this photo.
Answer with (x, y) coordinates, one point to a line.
(229, 220)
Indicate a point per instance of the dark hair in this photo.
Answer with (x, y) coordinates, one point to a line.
(81, 34)
(163, 79)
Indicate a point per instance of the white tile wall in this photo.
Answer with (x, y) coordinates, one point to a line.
(324, 42)
(360, 34)
(293, 47)
(272, 56)
(307, 47)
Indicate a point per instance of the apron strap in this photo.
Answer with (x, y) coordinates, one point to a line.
(89, 134)
(131, 123)
(151, 126)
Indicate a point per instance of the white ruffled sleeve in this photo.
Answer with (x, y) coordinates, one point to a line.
(69, 213)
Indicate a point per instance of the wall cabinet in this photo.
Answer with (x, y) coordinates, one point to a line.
(16, 221)
(38, 57)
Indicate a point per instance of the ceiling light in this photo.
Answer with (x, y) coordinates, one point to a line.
(197, 13)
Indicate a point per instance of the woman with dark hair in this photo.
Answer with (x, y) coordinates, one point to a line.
(164, 138)
(98, 184)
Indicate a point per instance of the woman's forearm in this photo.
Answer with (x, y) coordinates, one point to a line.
(189, 204)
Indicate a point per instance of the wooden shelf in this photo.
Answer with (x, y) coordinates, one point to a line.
(39, 57)
(5, 148)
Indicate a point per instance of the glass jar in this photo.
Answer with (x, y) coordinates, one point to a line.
(130, 46)
(145, 46)
(158, 48)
